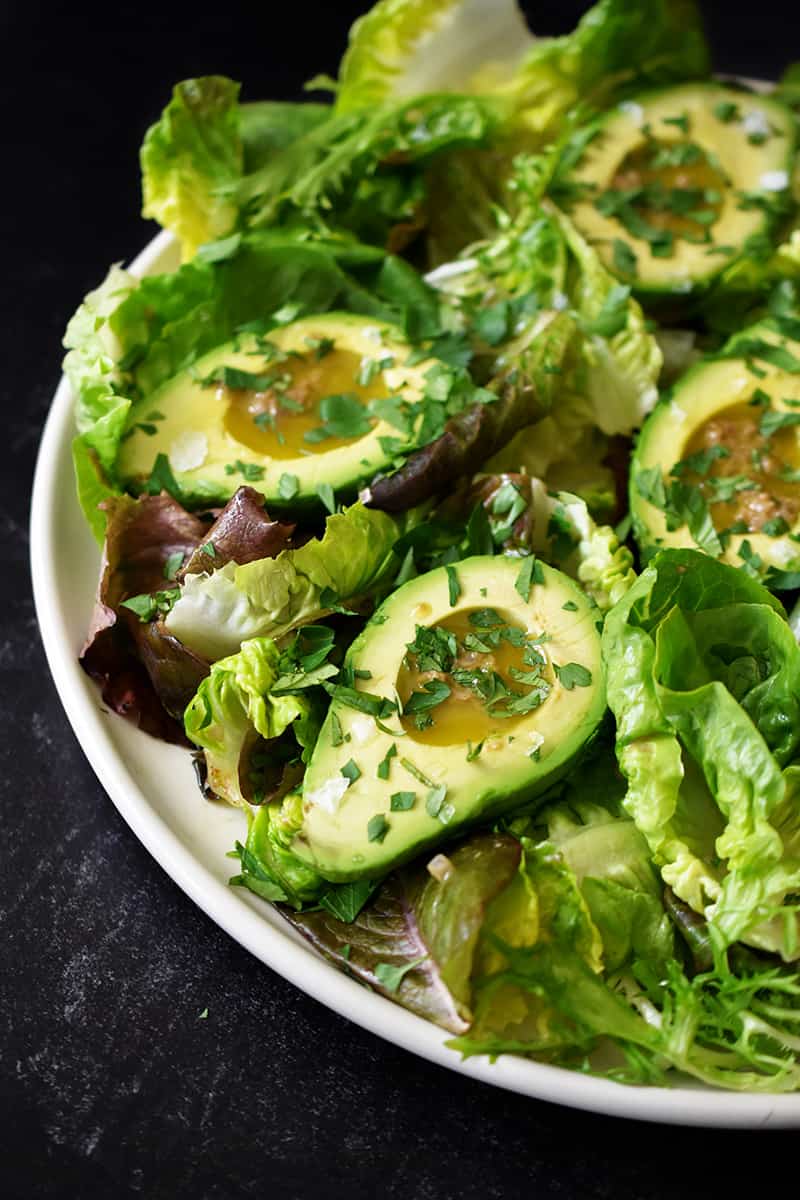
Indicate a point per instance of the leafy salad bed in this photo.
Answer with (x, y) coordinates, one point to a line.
(450, 503)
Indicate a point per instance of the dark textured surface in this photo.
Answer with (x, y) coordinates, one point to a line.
(110, 1084)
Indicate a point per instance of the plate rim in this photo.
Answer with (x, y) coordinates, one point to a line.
(300, 964)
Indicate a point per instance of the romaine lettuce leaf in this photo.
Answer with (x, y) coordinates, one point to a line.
(404, 49)
(192, 159)
(354, 559)
(703, 681)
(237, 715)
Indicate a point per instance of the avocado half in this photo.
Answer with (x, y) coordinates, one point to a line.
(211, 453)
(709, 390)
(748, 142)
(359, 763)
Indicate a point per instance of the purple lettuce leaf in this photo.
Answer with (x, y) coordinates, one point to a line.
(431, 921)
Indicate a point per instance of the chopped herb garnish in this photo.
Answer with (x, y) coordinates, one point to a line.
(573, 675)
(252, 472)
(390, 977)
(326, 495)
(529, 573)
(384, 764)
(453, 586)
(570, 606)
(337, 737)
(402, 801)
(346, 900)
(321, 346)
(377, 828)
(288, 486)
(415, 771)
(161, 479)
(772, 421)
(173, 564)
(473, 752)
(351, 771)
(624, 257)
(365, 702)
(681, 122)
(148, 606)
(435, 800)
(434, 692)
(726, 111)
(342, 416)
(776, 527)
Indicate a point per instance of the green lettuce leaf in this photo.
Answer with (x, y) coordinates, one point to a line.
(216, 613)
(399, 49)
(703, 681)
(269, 868)
(268, 126)
(191, 160)
(235, 711)
(328, 178)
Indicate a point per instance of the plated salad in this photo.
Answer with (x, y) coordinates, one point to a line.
(449, 496)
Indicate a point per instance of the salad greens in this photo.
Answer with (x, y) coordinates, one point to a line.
(511, 226)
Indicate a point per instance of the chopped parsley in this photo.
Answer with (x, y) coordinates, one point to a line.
(385, 763)
(453, 586)
(288, 486)
(390, 977)
(623, 257)
(529, 573)
(173, 564)
(326, 495)
(573, 675)
(342, 416)
(252, 472)
(321, 346)
(726, 111)
(402, 801)
(377, 828)
(148, 606)
(351, 771)
(773, 421)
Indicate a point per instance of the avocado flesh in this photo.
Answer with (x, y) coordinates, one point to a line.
(736, 150)
(515, 764)
(217, 438)
(714, 389)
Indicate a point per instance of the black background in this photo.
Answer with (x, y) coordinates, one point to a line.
(110, 1086)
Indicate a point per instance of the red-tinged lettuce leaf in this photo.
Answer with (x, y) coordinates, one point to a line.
(142, 668)
(242, 533)
(433, 923)
(142, 537)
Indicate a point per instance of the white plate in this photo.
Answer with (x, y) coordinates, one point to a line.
(153, 787)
